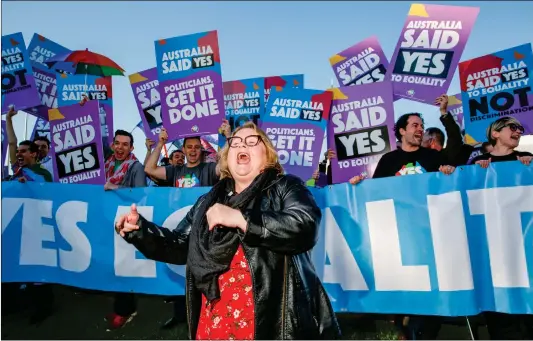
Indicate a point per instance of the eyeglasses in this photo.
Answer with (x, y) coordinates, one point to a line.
(250, 141)
(515, 127)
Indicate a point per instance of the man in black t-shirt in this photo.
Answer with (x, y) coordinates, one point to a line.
(411, 158)
(194, 173)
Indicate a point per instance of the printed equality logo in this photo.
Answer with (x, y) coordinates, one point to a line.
(187, 181)
(410, 169)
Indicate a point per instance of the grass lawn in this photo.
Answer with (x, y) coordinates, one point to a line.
(81, 316)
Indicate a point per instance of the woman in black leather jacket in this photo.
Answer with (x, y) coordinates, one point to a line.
(246, 245)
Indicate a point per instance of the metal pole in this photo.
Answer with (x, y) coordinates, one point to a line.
(26, 127)
(469, 328)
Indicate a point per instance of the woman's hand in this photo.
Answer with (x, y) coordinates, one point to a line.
(226, 216)
(225, 129)
(526, 160)
(128, 222)
(447, 169)
(109, 186)
(356, 179)
(483, 163)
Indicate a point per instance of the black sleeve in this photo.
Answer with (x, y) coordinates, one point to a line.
(161, 244)
(520, 154)
(171, 173)
(381, 170)
(453, 150)
(293, 229)
(444, 159)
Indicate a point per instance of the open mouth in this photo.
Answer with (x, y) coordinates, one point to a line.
(419, 136)
(515, 137)
(20, 160)
(119, 154)
(243, 158)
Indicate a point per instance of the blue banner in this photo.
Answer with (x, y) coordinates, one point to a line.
(422, 244)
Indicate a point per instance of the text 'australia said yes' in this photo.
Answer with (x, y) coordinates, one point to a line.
(364, 68)
(242, 103)
(186, 59)
(294, 108)
(512, 76)
(75, 92)
(425, 53)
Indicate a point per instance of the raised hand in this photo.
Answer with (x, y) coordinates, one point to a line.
(442, 102)
(163, 136)
(149, 144)
(225, 129)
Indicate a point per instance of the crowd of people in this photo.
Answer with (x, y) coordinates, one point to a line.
(246, 241)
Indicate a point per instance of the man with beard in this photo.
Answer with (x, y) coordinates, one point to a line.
(26, 168)
(177, 158)
(123, 170)
(411, 158)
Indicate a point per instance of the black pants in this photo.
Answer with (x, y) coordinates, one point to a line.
(125, 304)
(180, 308)
(41, 296)
(420, 327)
(508, 327)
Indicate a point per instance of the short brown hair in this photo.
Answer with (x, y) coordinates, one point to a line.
(271, 152)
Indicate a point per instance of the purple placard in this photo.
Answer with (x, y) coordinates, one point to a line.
(41, 128)
(361, 129)
(18, 84)
(41, 49)
(455, 107)
(189, 74)
(4, 149)
(362, 63)
(77, 152)
(296, 120)
(145, 88)
(429, 49)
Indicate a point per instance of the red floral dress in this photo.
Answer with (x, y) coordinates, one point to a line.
(232, 317)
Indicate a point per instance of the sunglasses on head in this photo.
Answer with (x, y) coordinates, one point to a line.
(515, 127)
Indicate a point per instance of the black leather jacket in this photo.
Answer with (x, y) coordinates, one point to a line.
(290, 301)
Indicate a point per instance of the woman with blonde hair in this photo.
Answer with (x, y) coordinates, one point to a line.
(504, 136)
(246, 245)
